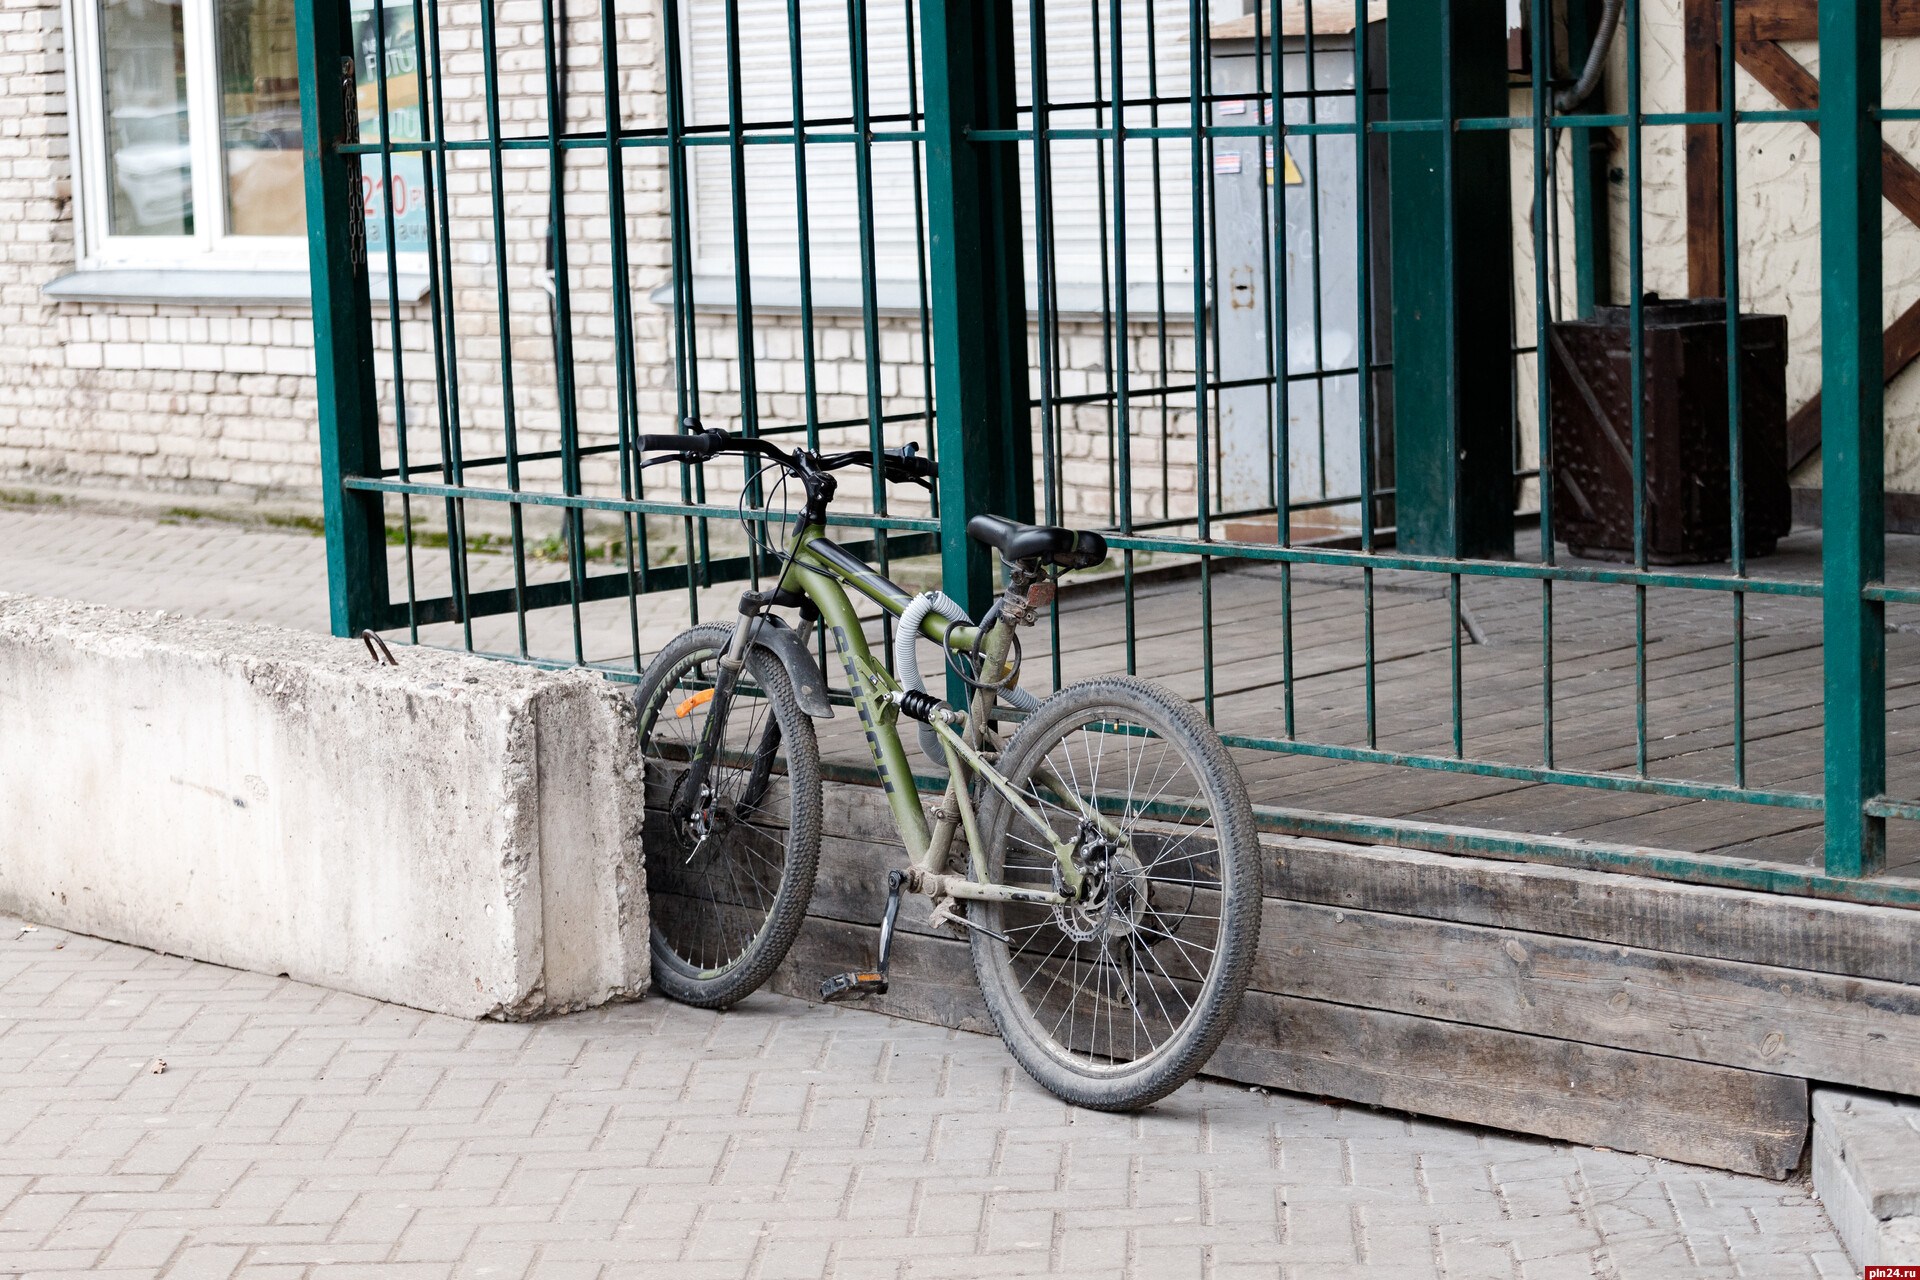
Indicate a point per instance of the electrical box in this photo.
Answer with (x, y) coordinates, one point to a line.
(1297, 202)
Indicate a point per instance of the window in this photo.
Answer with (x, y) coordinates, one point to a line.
(188, 121)
(188, 116)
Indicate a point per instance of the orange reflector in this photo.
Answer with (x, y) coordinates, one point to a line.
(698, 699)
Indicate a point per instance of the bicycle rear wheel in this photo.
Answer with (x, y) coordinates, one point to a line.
(1117, 1000)
(727, 889)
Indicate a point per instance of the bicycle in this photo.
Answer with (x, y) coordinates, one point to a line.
(1110, 882)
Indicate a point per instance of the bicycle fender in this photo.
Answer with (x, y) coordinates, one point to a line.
(790, 646)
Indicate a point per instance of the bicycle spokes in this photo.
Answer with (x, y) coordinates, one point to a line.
(1113, 975)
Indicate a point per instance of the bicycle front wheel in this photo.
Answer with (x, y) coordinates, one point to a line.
(728, 887)
(1116, 1000)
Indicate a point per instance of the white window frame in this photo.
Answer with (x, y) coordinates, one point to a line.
(211, 246)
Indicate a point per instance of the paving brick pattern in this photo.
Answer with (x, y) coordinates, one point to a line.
(246, 573)
(297, 1131)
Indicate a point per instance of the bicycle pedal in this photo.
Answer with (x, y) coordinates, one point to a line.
(842, 985)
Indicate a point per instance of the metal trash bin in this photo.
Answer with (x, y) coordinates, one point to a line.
(1685, 417)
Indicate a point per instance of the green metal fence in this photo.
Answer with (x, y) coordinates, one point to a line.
(594, 199)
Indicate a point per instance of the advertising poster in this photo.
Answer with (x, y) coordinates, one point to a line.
(405, 187)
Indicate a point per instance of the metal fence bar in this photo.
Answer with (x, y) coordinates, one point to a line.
(347, 399)
(979, 307)
(1736, 418)
(1852, 435)
(1088, 129)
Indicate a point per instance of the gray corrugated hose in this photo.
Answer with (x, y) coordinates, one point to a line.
(906, 661)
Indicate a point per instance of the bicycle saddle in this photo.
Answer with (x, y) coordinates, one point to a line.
(1015, 541)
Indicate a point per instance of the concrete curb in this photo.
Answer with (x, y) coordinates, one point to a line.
(452, 833)
(1866, 1170)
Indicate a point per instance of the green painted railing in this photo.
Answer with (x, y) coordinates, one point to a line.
(1004, 134)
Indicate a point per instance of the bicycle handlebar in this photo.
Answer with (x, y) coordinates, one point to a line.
(902, 464)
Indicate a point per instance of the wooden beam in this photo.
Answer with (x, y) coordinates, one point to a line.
(1800, 19)
(1695, 1112)
(1706, 231)
(1687, 1111)
(1781, 75)
(1902, 347)
(1753, 1016)
(1844, 938)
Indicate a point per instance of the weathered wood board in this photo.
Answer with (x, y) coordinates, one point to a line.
(1678, 1020)
(1757, 1017)
(1697, 1113)
(1744, 1120)
(1840, 938)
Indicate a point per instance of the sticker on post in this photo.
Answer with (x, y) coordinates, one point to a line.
(1293, 178)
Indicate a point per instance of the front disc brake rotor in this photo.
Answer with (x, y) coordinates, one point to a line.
(1115, 903)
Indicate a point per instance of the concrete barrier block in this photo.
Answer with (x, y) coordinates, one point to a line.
(453, 833)
(1866, 1170)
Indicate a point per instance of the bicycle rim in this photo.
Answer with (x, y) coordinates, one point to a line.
(714, 894)
(1144, 971)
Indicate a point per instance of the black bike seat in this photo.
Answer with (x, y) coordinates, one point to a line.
(1065, 548)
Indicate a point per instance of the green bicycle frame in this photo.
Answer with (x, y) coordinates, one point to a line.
(822, 571)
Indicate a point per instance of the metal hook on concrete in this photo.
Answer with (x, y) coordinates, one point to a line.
(385, 655)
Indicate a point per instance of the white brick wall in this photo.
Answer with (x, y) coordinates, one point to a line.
(222, 399)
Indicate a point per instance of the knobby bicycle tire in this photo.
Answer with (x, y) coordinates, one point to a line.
(1118, 1000)
(725, 909)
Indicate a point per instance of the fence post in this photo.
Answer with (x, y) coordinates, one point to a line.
(1452, 281)
(982, 418)
(1853, 548)
(342, 318)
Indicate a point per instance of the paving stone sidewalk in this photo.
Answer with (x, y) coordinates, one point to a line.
(242, 572)
(297, 1131)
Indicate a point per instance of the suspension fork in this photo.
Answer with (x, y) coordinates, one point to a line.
(732, 663)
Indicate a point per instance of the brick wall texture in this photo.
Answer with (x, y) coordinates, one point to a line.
(222, 399)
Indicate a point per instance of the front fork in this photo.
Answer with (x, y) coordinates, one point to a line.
(732, 662)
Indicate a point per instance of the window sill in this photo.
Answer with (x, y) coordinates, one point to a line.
(208, 287)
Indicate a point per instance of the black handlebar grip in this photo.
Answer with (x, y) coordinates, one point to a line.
(702, 444)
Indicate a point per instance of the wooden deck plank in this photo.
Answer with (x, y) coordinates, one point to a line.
(1757, 1017)
(1812, 934)
(1746, 1120)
